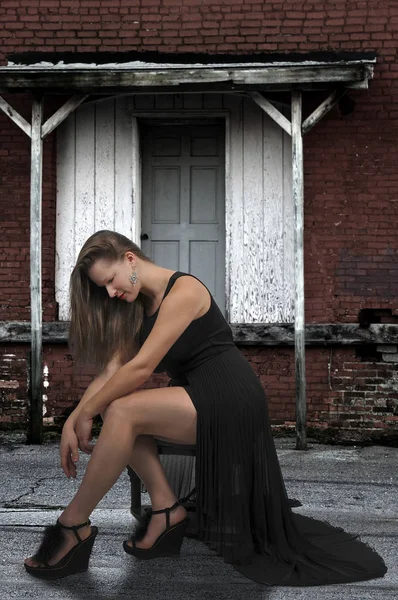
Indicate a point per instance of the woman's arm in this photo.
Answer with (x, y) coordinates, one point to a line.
(186, 301)
(95, 386)
(69, 445)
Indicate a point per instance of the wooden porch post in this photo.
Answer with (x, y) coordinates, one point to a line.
(299, 331)
(36, 399)
(37, 132)
(297, 128)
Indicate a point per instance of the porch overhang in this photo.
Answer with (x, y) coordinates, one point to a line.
(143, 77)
(243, 75)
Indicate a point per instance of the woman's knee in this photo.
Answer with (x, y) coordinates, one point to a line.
(114, 410)
(121, 408)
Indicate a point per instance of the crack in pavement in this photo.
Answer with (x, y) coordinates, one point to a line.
(38, 483)
(21, 525)
(28, 505)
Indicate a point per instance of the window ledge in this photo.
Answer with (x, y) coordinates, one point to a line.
(252, 334)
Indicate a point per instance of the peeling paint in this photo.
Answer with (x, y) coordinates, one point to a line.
(259, 259)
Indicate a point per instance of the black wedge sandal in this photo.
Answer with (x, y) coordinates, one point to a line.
(168, 543)
(75, 561)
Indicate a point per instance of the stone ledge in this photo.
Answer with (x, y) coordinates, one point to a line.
(252, 334)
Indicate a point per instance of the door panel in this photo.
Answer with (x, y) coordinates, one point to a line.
(166, 195)
(183, 200)
(166, 253)
(200, 255)
(203, 195)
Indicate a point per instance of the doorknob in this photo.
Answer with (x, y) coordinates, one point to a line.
(144, 236)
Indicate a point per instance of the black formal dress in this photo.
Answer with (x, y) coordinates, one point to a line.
(242, 506)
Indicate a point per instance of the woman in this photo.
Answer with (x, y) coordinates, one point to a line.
(131, 317)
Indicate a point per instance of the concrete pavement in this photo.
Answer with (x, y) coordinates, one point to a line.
(352, 487)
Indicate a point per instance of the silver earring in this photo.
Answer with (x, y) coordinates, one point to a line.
(133, 277)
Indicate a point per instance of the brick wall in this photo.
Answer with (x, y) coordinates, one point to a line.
(198, 26)
(351, 196)
(15, 217)
(351, 205)
(350, 398)
(14, 370)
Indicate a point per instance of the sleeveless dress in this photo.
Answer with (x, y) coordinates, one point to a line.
(242, 506)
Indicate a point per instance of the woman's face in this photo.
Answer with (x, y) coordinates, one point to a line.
(115, 277)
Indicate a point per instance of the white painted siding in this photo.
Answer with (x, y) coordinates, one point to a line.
(94, 183)
(259, 218)
(99, 187)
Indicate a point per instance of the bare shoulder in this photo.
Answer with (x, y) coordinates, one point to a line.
(187, 300)
(187, 289)
(186, 284)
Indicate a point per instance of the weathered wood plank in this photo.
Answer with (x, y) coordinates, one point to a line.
(271, 111)
(61, 114)
(335, 334)
(228, 205)
(347, 334)
(94, 182)
(85, 174)
(278, 233)
(298, 195)
(253, 334)
(36, 174)
(119, 77)
(18, 332)
(125, 185)
(65, 255)
(259, 217)
(136, 200)
(287, 287)
(322, 110)
(104, 166)
(234, 210)
(254, 230)
(15, 116)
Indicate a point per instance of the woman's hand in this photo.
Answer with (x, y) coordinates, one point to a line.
(83, 428)
(69, 449)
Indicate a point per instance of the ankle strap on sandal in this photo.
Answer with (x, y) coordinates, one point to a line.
(167, 511)
(74, 528)
(188, 496)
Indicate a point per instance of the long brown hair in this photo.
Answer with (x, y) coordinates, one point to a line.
(103, 328)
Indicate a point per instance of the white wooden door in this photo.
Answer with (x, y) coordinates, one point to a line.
(183, 199)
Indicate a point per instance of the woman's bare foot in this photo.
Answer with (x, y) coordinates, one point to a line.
(70, 541)
(157, 525)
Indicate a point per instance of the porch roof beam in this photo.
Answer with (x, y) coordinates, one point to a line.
(61, 114)
(272, 111)
(52, 123)
(15, 116)
(322, 109)
(309, 122)
(121, 77)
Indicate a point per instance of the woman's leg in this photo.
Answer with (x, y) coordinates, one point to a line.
(145, 462)
(167, 413)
